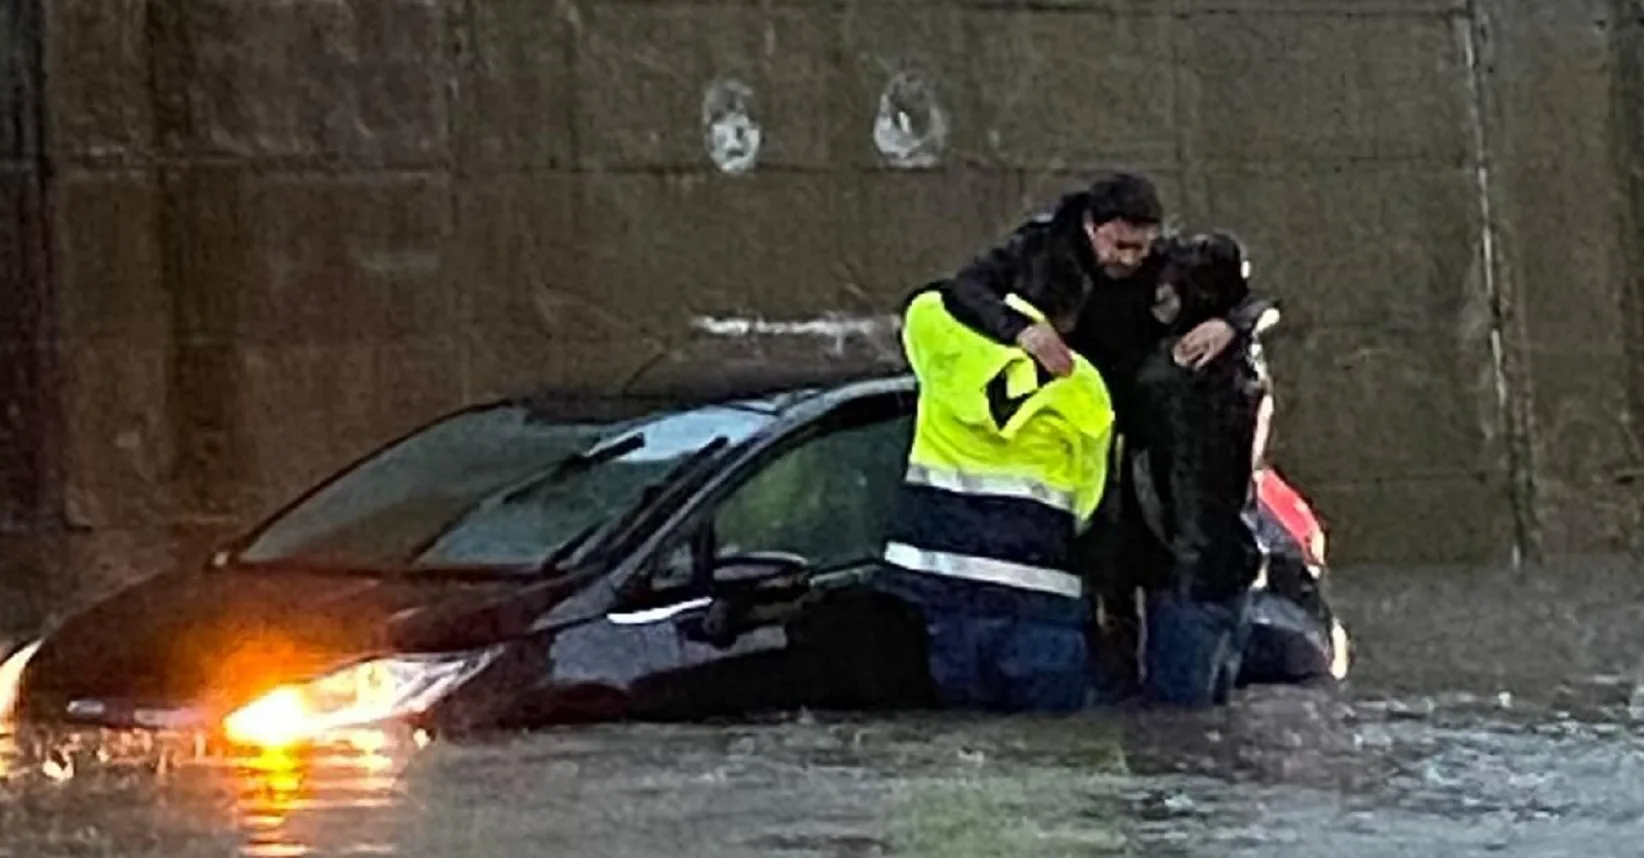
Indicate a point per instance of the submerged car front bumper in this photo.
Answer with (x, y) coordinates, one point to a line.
(398, 688)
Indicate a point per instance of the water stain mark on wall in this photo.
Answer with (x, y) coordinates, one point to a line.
(730, 126)
(838, 329)
(911, 128)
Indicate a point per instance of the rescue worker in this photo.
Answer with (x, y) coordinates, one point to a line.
(1007, 464)
(1103, 240)
(1191, 445)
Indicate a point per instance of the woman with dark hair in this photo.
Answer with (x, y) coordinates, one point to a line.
(1186, 535)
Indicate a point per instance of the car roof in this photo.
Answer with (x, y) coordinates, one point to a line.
(775, 395)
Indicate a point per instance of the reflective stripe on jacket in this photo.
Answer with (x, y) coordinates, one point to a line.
(1007, 462)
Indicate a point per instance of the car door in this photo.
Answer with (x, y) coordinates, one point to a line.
(816, 508)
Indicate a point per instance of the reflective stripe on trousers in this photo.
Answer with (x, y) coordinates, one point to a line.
(990, 484)
(984, 569)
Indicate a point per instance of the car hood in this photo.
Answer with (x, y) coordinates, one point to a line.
(219, 637)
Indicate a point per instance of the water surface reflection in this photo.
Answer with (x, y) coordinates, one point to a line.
(1283, 773)
(132, 793)
(1465, 736)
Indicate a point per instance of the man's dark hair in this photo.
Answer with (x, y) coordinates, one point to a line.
(1129, 197)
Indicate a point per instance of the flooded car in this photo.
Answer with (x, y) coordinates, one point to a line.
(554, 560)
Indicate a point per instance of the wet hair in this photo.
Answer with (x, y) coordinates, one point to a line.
(1129, 197)
(1210, 272)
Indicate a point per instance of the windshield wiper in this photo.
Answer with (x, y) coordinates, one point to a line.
(682, 469)
(568, 547)
(561, 469)
(574, 464)
(686, 465)
(615, 525)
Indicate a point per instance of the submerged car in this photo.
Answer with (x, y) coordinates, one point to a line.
(550, 560)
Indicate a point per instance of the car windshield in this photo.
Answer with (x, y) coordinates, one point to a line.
(495, 487)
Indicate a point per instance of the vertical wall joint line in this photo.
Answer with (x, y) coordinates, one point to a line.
(1627, 104)
(1506, 345)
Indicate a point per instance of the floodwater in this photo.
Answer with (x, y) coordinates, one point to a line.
(1493, 713)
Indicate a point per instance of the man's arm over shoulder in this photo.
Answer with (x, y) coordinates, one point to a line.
(976, 295)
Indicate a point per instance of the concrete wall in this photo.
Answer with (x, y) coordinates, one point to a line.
(282, 232)
(29, 476)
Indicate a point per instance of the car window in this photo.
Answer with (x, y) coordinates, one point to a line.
(524, 525)
(828, 499)
(488, 488)
(672, 570)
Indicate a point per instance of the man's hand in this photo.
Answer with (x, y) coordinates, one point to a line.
(1046, 346)
(1203, 344)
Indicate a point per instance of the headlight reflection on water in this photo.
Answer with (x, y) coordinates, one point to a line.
(310, 768)
(286, 802)
(354, 697)
(109, 788)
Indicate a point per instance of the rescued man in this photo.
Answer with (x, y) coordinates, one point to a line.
(1189, 484)
(1008, 463)
(1104, 240)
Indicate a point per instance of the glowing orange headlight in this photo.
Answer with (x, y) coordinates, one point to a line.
(276, 720)
(361, 695)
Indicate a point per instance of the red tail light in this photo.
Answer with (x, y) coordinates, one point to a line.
(1293, 512)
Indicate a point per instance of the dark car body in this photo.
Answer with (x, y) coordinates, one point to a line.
(539, 561)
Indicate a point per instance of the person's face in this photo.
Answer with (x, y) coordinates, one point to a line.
(1120, 246)
(1167, 302)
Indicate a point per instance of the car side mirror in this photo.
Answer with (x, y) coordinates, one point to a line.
(751, 589)
(759, 575)
(750, 567)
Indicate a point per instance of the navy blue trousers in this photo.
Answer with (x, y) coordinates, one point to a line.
(999, 648)
(1194, 649)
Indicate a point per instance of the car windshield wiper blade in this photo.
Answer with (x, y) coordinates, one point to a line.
(561, 469)
(688, 464)
(680, 469)
(567, 548)
(575, 464)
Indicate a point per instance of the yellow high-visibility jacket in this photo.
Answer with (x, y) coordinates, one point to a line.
(1007, 462)
(1059, 435)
